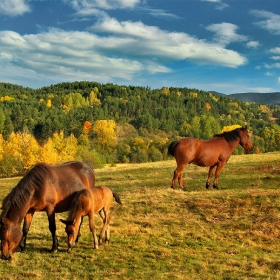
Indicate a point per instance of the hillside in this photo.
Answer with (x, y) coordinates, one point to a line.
(269, 98)
(114, 123)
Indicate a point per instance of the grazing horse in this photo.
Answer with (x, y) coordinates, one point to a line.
(214, 153)
(86, 203)
(48, 188)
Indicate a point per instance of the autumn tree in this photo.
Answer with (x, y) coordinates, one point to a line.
(106, 134)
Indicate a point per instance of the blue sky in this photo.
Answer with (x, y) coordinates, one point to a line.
(228, 46)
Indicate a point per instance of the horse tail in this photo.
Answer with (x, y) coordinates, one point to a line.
(172, 147)
(117, 198)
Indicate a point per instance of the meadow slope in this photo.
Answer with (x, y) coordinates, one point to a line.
(161, 233)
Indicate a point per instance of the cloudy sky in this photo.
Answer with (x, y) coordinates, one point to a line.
(227, 46)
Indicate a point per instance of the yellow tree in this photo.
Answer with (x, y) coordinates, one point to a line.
(70, 148)
(49, 153)
(140, 143)
(230, 127)
(66, 148)
(106, 134)
(93, 100)
(24, 146)
(2, 142)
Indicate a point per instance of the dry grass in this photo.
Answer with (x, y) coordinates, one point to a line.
(160, 233)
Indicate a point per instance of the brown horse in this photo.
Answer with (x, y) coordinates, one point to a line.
(86, 203)
(214, 153)
(44, 188)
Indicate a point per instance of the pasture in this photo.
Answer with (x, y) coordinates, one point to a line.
(161, 233)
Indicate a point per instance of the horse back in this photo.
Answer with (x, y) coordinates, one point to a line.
(64, 181)
(200, 152)
(103, 197)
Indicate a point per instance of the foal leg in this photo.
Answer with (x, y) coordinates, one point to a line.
(79, 231)
(105, 226)
(107, 232)
(103, 216)
(26, 225)
(210, 174)
(93, 229)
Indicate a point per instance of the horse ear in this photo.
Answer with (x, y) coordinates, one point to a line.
(4, 221)
(64, 222)
(67, 223)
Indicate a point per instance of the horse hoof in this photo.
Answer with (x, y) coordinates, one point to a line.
(215, 187)
(172, 187)
(69, 250)
(19, 249)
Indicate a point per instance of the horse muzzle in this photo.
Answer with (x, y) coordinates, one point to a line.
(6, 257)
(70, 246)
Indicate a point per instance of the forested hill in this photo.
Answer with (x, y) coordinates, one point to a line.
(127, 123)
(270, 98)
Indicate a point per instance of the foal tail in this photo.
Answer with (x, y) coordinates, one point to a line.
(171, 147)
(117, 198)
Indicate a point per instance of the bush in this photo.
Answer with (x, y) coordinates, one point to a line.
(11, 166)
(139, 156)
(91, 157)
(155, 154)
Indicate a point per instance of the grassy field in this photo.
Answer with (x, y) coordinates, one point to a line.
(160, 233)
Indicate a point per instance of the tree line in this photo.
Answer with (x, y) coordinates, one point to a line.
(109, 123)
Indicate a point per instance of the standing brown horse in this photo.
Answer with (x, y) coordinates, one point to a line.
(214, 153)
(44, 188)
(86, 203)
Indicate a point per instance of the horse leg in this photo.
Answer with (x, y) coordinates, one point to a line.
(103, 216)
(107, 232)
(79, 231)
(210, 174)
(52, 228)
(93, 229)
(105, 226)
(26, 225)
(178, 176)
(217, 174)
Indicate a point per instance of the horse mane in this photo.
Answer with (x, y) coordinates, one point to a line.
(75, 204)
(25, 188)
(230, 136)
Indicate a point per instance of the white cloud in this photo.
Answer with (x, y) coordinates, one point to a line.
(79, 5)
(124, 50)
(13, 7)
(150, 41)
(271, 22)
(252, 44)
(220, 5)
(275, 50)
(269, 74)
(275, 57)
(225, 33)
(274, 65)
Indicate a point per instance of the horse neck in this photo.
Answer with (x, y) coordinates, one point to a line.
(16, 214)
(80, 209)
(233, 144)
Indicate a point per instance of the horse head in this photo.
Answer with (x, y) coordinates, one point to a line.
(245, 140)
(72, 229)
(11, 235)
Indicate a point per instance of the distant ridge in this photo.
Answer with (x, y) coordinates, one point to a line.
(269, 98)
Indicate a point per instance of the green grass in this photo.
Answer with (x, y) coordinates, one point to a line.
(160, 233)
